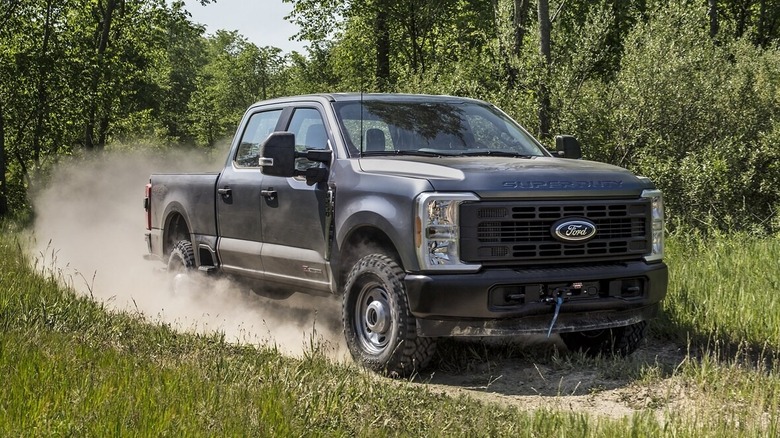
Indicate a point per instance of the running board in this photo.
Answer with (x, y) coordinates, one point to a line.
(207, 269)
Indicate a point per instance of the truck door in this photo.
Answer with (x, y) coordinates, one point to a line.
(293, 212)
(239, 202)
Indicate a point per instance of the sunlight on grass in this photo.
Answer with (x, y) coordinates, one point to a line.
(71, 368)
(724, 288)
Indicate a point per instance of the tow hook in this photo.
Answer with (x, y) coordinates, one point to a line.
(558, 295)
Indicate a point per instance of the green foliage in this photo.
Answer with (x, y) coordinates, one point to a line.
(237, 74)
(694, 116)
(667, 89)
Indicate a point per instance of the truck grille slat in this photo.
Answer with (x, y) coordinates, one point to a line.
(521, 232)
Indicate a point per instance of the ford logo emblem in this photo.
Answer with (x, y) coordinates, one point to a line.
(574, 230)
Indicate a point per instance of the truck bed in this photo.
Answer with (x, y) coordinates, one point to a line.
(192, 195)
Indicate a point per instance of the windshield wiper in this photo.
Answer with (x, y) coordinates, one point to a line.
(413, 152)
(494, 152)
(428, 152)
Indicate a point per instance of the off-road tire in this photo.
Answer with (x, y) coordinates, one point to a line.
(381, 333)
(180, 262)
(619, 341)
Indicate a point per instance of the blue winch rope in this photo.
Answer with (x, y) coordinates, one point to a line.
(558, 302)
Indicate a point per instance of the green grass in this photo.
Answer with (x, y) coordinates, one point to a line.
(69, 367)
(724, 289)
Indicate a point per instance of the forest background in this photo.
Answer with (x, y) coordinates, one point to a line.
(684, 92)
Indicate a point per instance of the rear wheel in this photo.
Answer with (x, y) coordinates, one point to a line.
(619, 341)
(181, 267)
(381, 333)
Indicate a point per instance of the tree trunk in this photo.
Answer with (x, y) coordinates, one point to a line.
(713, 14)
(40, 110)
(742, 17)
(417, 66)
(382, 33)
(382, 50)
(104, 31)
(519, 21)
(263, 60)
(762, 39)
(544, 50)
(3, 167)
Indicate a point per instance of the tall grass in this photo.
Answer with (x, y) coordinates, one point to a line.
(724, 289)
(69, 367)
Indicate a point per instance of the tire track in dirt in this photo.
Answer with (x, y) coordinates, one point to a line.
(533, 372)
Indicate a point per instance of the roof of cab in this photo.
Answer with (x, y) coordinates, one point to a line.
(352, 97)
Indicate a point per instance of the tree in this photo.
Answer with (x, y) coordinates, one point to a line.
(70, 68)
(381, 27)
(173, 77)
(388, 38)
(543, 12)
(237, 74)
(3, 167)
(712, 12)
(104, 14)
(758, 20)
(6, 13)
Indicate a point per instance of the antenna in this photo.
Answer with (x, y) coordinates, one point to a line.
(361, 120)
(362, 86)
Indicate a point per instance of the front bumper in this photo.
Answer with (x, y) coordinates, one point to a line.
(501, 302)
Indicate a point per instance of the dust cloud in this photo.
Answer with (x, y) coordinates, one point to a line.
(89, 232)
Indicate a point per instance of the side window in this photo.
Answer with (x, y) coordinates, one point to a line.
(310, 133)
(259, 127)
(309, 130)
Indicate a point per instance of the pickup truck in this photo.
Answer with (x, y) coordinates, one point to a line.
(430, 216)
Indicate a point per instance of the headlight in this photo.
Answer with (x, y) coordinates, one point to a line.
(437, 231)
(657, 243)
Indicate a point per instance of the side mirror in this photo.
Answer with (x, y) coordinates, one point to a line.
(568, 146)
(318, 155)
(277, 155)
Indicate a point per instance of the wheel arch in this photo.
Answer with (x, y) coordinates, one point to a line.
(361, 240)
(176, 228)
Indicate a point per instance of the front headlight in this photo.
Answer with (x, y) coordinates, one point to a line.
(437, 231)
(657, 243)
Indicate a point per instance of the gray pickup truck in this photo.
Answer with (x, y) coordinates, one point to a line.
(431, 216)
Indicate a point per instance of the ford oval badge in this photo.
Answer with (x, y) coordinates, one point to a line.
(574, 230)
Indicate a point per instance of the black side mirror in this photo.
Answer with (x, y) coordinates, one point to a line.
(277, 155)
(568, 146)
(318, 155)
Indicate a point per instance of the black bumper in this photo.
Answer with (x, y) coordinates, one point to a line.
(149, 254)
(500, 302)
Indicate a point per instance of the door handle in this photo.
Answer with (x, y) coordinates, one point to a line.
(225, 192)
(268, 193)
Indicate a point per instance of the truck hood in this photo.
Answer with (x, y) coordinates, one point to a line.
(501, 177)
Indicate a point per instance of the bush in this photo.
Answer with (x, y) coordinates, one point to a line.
(699, 118)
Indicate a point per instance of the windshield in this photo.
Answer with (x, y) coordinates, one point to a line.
(432, 128)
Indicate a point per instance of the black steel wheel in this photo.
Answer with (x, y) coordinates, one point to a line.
(381, 333)
(619, 341)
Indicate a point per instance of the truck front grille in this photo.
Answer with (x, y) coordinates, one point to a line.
(521, 232)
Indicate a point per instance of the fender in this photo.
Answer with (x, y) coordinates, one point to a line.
(174, 207)
(377, 219)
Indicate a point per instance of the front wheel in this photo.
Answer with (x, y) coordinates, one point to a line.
(381, 333)
(619, 341)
